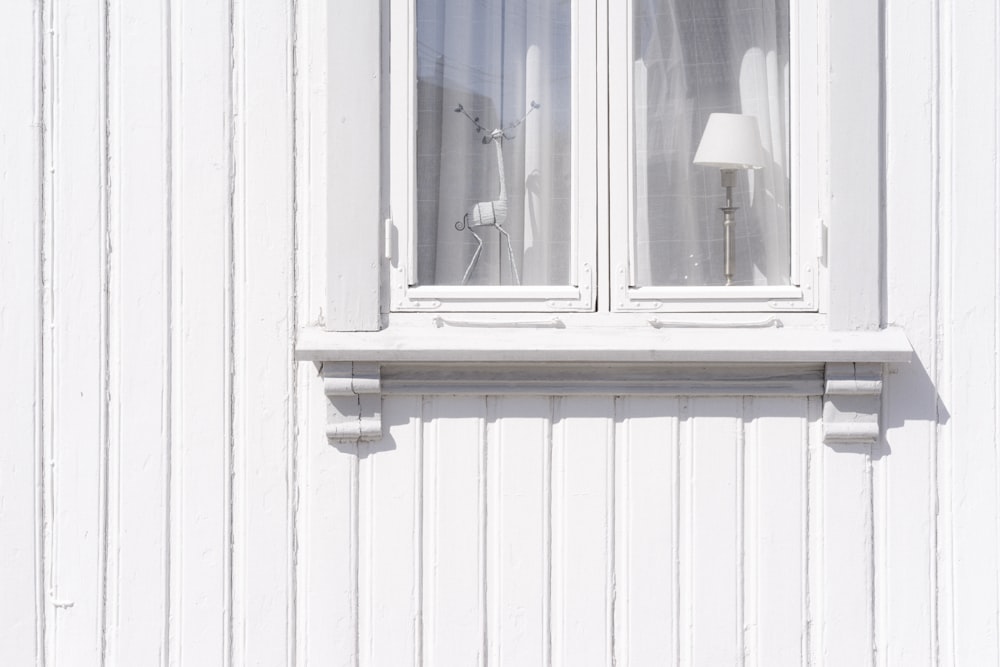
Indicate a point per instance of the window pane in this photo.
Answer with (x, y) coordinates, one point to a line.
(691, 58)
(494, 142)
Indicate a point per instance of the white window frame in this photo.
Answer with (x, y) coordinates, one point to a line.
(845, 296)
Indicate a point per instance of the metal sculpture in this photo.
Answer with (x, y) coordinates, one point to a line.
(491, 213)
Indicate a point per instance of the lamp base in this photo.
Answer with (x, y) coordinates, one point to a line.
(728, 220)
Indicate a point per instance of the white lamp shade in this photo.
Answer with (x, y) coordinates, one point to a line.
(730, 141)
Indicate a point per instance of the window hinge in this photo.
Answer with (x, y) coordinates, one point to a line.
(823, 240)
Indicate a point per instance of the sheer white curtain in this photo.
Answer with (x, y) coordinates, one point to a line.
(494, 58)
(692, 58)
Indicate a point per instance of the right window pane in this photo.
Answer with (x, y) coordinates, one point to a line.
(692, 58)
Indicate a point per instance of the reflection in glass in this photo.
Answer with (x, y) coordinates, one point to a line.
(480, 66)
(692, 58)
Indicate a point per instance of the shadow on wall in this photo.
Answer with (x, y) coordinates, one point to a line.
(908, 395)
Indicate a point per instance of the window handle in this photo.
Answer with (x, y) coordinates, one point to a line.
(552, 323)
(772, 321)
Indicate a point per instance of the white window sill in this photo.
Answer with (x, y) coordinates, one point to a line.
(403, 344)
(845, 367)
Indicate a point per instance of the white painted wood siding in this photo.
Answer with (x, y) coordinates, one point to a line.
(168, 497)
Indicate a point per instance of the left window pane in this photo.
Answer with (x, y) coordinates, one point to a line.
(494, 142)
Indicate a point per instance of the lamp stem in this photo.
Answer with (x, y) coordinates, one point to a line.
(728, 220)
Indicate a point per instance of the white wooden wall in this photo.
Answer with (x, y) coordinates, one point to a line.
(581, 530)
(166, 492)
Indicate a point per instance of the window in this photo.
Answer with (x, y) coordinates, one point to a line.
(606, 259)
(361, 78)
(541, 155)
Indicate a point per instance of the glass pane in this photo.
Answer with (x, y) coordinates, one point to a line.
(494, 152)
(691, 58)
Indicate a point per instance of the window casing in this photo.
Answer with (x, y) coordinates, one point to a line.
(602, 265)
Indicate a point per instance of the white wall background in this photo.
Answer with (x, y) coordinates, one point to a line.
(166, 492)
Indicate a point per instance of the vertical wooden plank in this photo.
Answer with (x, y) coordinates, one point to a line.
(711, 460)
(263, 294)
(139, 104)
(517, 570)
(391, 480)
(77, 418)
(904, 467)
(327, 530)
(840, 551)
(353, 164)
(645, 548)
(775, 550)
(22, 614)
(972, 330)
(582, 531)
(201, 494)
(453, 597)
(326, 480)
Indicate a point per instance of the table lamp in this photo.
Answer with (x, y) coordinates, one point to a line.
(731, 141)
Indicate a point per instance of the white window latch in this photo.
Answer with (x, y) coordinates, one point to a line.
(389, 248)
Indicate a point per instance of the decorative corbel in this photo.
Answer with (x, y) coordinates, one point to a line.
(354, 391)
(851, 403)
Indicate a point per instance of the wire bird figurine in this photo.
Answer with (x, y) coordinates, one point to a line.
(491, 213)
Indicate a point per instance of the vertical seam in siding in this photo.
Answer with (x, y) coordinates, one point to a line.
(804, 529)
(292, 440)
(114, 533)
(230, 344)
(686, 555)
(105, 330)
(484, 524)
(168, 334)
(934, 314)
(236, 307)
(870, 560)
(675, 531)
(229, 352)
(609, 532)
(47, 432)
(547, 537)
(355, 568)
(624, 506)
(942, 291)
(996, 259)
(430, 562)
(40, 91)
(740, 555)
(491, 565)
(418, 536)
(559, 536)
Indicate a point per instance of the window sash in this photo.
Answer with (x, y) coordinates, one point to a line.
(405, 293)
(804, 137)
